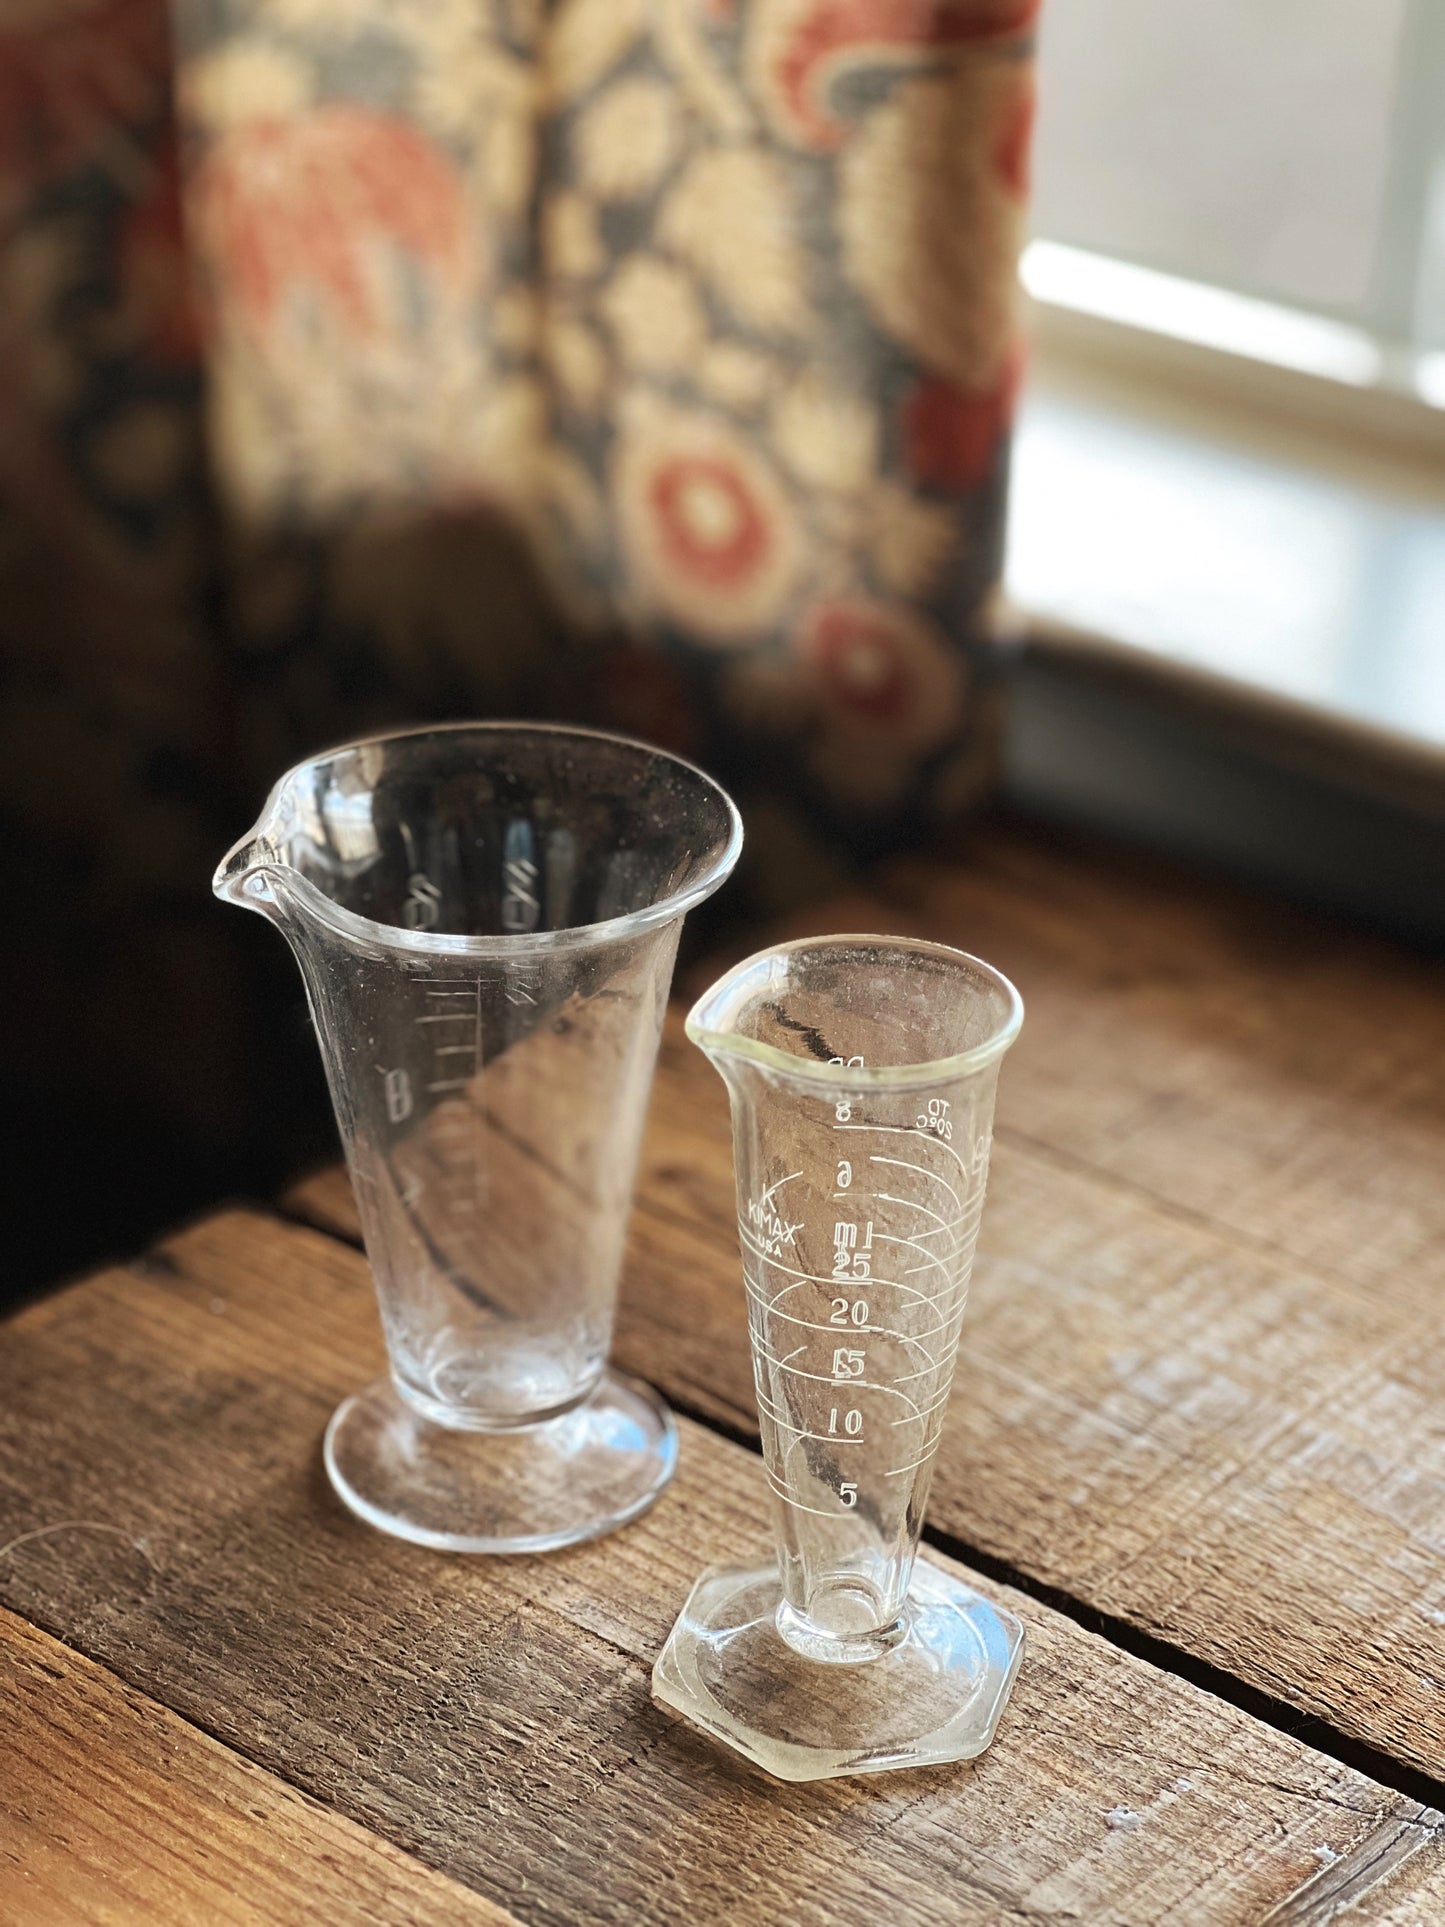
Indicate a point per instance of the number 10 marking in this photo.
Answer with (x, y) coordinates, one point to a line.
(852, 1426)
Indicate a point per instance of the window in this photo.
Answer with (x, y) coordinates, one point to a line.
(1266, 176)
(1230, 459)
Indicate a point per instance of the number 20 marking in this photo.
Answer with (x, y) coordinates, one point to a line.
(845, 1313)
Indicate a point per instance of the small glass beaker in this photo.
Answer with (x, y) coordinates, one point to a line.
(486, 917)
(861, 1072)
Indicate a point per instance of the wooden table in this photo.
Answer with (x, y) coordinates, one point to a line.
(1198, 1442)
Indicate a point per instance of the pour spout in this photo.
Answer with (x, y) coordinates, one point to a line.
(250, 872)
(722, 1022)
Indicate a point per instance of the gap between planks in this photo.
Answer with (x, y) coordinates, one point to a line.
(115, 1808)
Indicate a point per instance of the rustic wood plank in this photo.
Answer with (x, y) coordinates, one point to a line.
(1273, 1072)
(493, 1716)
(1168, 1423)
(114, 1811)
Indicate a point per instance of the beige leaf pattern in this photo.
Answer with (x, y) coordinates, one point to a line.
(571, 242)
(713, 95)
(654, 314)
(828, 437)
(626, 140)
(740, 378)
(585, 40)
(242, 82)
(930, 234)
(484, 98)
(910, 541)
(731, 206)
(578, 362)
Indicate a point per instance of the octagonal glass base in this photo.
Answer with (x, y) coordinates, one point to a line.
(530, 1489)
(933, 1697)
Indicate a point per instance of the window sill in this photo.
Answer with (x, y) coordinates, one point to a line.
(1233, 637)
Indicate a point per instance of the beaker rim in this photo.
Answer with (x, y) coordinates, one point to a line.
(351, 923)
(832, 1076)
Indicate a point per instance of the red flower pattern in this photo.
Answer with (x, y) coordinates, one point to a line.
(833, 36)
(855, 650)
(950, 438)
(283, 204)
(886, 687)
(1015, 147)
(708, 523)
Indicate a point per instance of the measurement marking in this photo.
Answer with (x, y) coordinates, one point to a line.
(911, 1291)
(823, 1438)
(961, 1256)
(769, 1307)
(767, 1409)
(901, 1471)
(928, 1410)
(850, 1385)
(923, 1172)
(451, 1084)
(781, 1363)
(447, 1017)
(886, 1238)
(965, 1224)
(934, 1365)
(455, 1050)
(773, 1189)
(912, 1204)
(749, 1243)
(905, 1130)
(797, 1504)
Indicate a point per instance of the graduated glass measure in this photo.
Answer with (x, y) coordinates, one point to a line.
(861, 1072)
(485, 916)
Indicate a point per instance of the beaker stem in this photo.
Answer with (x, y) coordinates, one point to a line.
(819, 1643)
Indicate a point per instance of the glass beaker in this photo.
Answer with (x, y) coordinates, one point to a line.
(861, 1072)
(486, 917)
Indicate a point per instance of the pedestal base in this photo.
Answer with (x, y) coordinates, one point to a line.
(529, 1490)
(936, 1696)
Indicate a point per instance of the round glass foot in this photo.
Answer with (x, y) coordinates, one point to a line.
(530, 1490)
(934, 1696)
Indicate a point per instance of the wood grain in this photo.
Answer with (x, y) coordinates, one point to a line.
(1168, 1422)
(493, 1716)
(1271, 1072)
(113, 1810)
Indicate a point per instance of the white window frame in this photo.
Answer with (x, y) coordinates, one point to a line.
(1378, 373)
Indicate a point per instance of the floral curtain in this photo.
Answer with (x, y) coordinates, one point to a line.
(650, 360)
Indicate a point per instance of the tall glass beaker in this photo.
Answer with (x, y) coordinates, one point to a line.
(862, 1073)
(486, 917)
